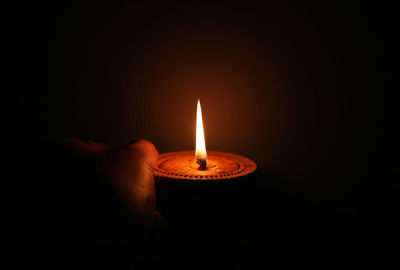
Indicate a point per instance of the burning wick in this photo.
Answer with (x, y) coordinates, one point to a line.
(199, 165)
(201, 153)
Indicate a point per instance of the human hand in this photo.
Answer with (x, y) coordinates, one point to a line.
(97, 189)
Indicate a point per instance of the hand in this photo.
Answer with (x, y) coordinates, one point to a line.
(95, 189)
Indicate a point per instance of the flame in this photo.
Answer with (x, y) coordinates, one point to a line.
(201, 152)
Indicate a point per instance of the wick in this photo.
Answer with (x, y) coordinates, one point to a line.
(202, 163)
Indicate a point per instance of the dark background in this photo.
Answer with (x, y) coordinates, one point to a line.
(304, 89)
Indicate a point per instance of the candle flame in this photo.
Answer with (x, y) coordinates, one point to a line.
(201, 153)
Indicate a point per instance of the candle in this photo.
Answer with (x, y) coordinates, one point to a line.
(202, 165)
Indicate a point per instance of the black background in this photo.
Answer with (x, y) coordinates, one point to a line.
(304, 89)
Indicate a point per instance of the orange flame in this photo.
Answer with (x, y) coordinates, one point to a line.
(201, 152)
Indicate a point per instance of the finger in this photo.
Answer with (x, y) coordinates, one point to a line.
(146, 149)
(98, 146)
(85, 147)
(130, 168)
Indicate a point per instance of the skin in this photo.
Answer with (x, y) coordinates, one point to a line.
(77, 190)
(81, 204)
(128, 169)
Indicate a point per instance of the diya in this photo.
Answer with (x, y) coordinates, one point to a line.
(202, 165)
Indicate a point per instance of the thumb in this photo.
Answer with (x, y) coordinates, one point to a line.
(146, 151)
(130, 169)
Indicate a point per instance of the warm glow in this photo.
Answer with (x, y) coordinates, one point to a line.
(201, 152)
